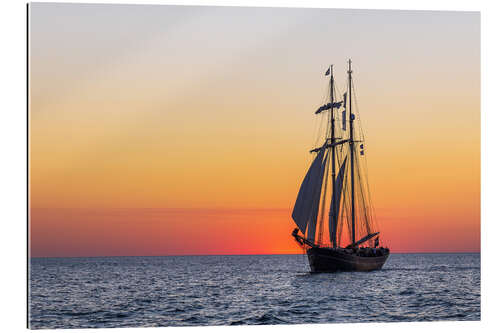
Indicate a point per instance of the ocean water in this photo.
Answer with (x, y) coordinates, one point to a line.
(248, 290)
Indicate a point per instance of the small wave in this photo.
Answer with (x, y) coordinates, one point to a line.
(407, 292)
(296, 311)
(176, 310)
(144, 300)
(264, 319)
(192, 320)
(401, 318)
(237, 322)
(455, 316)
(285, 302)
(404, 269)
(434, 301)
(81, 313)
(268, 318)
(453, 268)
(117, 315)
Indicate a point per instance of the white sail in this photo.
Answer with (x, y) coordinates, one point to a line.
(304, 203)
(313, 219)
(334, 214)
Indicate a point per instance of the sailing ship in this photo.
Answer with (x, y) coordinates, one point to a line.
(337, 177)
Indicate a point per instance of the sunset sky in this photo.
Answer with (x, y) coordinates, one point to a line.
(165, 130)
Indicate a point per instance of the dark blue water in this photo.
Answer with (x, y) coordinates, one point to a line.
(239, 290)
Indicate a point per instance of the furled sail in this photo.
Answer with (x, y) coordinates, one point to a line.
(304, 203)
(328, 107)
(311, 225)
(343, 120)
(335, 206)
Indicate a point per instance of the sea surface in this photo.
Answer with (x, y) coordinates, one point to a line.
(248, 290)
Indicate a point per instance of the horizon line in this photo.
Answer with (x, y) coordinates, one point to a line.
(233, 254)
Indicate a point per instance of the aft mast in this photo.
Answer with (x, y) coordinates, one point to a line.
(351, 146)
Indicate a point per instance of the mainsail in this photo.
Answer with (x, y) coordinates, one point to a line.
(334, 214)
(306, 199)
(311, 226)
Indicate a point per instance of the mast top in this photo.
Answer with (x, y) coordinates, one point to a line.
(350, 70)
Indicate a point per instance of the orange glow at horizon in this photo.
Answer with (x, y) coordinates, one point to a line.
(156, 232)
(140, 146)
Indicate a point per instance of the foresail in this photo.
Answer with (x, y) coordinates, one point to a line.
(335, 206)
(304, 203)
(311, 225)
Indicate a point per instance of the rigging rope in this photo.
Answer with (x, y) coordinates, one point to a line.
(365, 167)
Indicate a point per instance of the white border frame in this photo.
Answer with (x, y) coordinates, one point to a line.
(13, 175)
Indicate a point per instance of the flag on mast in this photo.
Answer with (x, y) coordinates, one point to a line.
(327, 72)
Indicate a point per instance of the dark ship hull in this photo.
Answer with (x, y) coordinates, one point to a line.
(332, 260)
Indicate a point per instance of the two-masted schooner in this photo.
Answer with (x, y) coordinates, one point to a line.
(337, 178)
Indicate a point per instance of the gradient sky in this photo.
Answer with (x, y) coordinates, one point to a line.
(162, 130)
